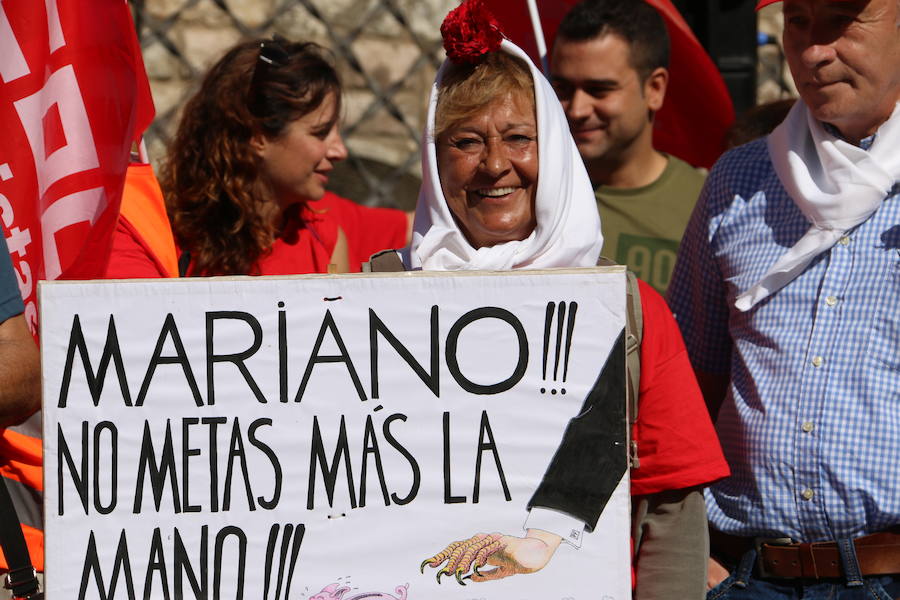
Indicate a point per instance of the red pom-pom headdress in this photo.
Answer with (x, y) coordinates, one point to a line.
(470, 31)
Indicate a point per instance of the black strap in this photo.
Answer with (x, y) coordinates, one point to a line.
(184, 262)
(21, 578)
(634, 328)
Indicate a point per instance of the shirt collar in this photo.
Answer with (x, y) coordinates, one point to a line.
(864, 143)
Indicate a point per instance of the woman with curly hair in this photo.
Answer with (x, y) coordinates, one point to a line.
(245, 176)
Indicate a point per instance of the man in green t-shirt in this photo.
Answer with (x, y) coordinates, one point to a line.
(609, 67)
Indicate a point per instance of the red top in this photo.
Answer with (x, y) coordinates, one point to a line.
(309, 248)
(677, 444)
(305, 249)
(130, 257)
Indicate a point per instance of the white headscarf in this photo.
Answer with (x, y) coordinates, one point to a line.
(568, 225)
(835, 184)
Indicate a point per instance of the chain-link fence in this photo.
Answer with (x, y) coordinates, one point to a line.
(385, 50)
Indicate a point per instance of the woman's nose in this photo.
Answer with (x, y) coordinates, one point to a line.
(336, 149)
(495, 161)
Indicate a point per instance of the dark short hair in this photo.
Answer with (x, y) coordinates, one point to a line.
(635, 21)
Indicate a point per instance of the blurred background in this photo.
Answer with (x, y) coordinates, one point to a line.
(387, 52)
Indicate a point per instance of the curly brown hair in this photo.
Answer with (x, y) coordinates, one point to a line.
(221, 205)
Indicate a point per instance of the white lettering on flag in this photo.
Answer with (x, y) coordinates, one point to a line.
(54, 29)
(81, 206)
(12, 61)
(78, 154)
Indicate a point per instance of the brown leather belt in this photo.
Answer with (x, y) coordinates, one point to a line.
(782, 558)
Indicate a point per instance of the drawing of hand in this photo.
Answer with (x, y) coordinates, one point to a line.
(509, 554)
(520, 555)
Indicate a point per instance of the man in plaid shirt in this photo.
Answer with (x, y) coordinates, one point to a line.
(787, 291)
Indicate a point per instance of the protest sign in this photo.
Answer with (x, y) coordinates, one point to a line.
(327, 437)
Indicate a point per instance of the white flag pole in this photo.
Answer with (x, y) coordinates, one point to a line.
(539, 35)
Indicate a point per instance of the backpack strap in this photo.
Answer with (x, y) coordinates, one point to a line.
(20, 579)
(634, 332)
(184, 263)
(386, 261)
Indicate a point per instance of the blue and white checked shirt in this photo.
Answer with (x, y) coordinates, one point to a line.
(811, 423)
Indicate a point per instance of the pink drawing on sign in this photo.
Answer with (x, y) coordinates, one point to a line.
(336, 592)
(332, 592)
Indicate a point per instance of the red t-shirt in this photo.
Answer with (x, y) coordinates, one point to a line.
(677, 444)
(306, 249)
(368, 229)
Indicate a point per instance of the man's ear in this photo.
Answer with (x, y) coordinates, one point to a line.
(655, 88)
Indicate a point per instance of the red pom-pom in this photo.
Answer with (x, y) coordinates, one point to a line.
(470, 31)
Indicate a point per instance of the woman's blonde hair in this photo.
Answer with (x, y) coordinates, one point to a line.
(466, 89)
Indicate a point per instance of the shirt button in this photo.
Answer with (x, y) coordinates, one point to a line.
(807, 494)
(817, 361)
(844, 241)
(808, 426)
(830, 300)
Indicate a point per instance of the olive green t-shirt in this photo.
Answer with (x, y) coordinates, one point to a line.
(642, 227)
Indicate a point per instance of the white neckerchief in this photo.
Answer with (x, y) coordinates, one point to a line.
(568, 225)
(835, 184)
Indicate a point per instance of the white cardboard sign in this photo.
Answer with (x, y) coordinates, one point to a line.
(320, 437)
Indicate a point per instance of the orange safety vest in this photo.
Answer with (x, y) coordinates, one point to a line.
(21, 465)
(145, 211)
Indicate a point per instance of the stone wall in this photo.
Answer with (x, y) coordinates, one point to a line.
(386, 51)
(774, 78)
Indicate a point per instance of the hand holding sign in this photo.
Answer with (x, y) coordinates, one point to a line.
(511, 555)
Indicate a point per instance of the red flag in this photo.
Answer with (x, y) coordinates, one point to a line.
(697, 110)
(73, 97)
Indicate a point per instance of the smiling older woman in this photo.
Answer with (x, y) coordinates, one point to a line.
(482, 204)
(504, 188)
(488, 155)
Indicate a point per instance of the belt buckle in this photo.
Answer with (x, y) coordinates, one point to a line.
(758, 543)
(17, 576)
